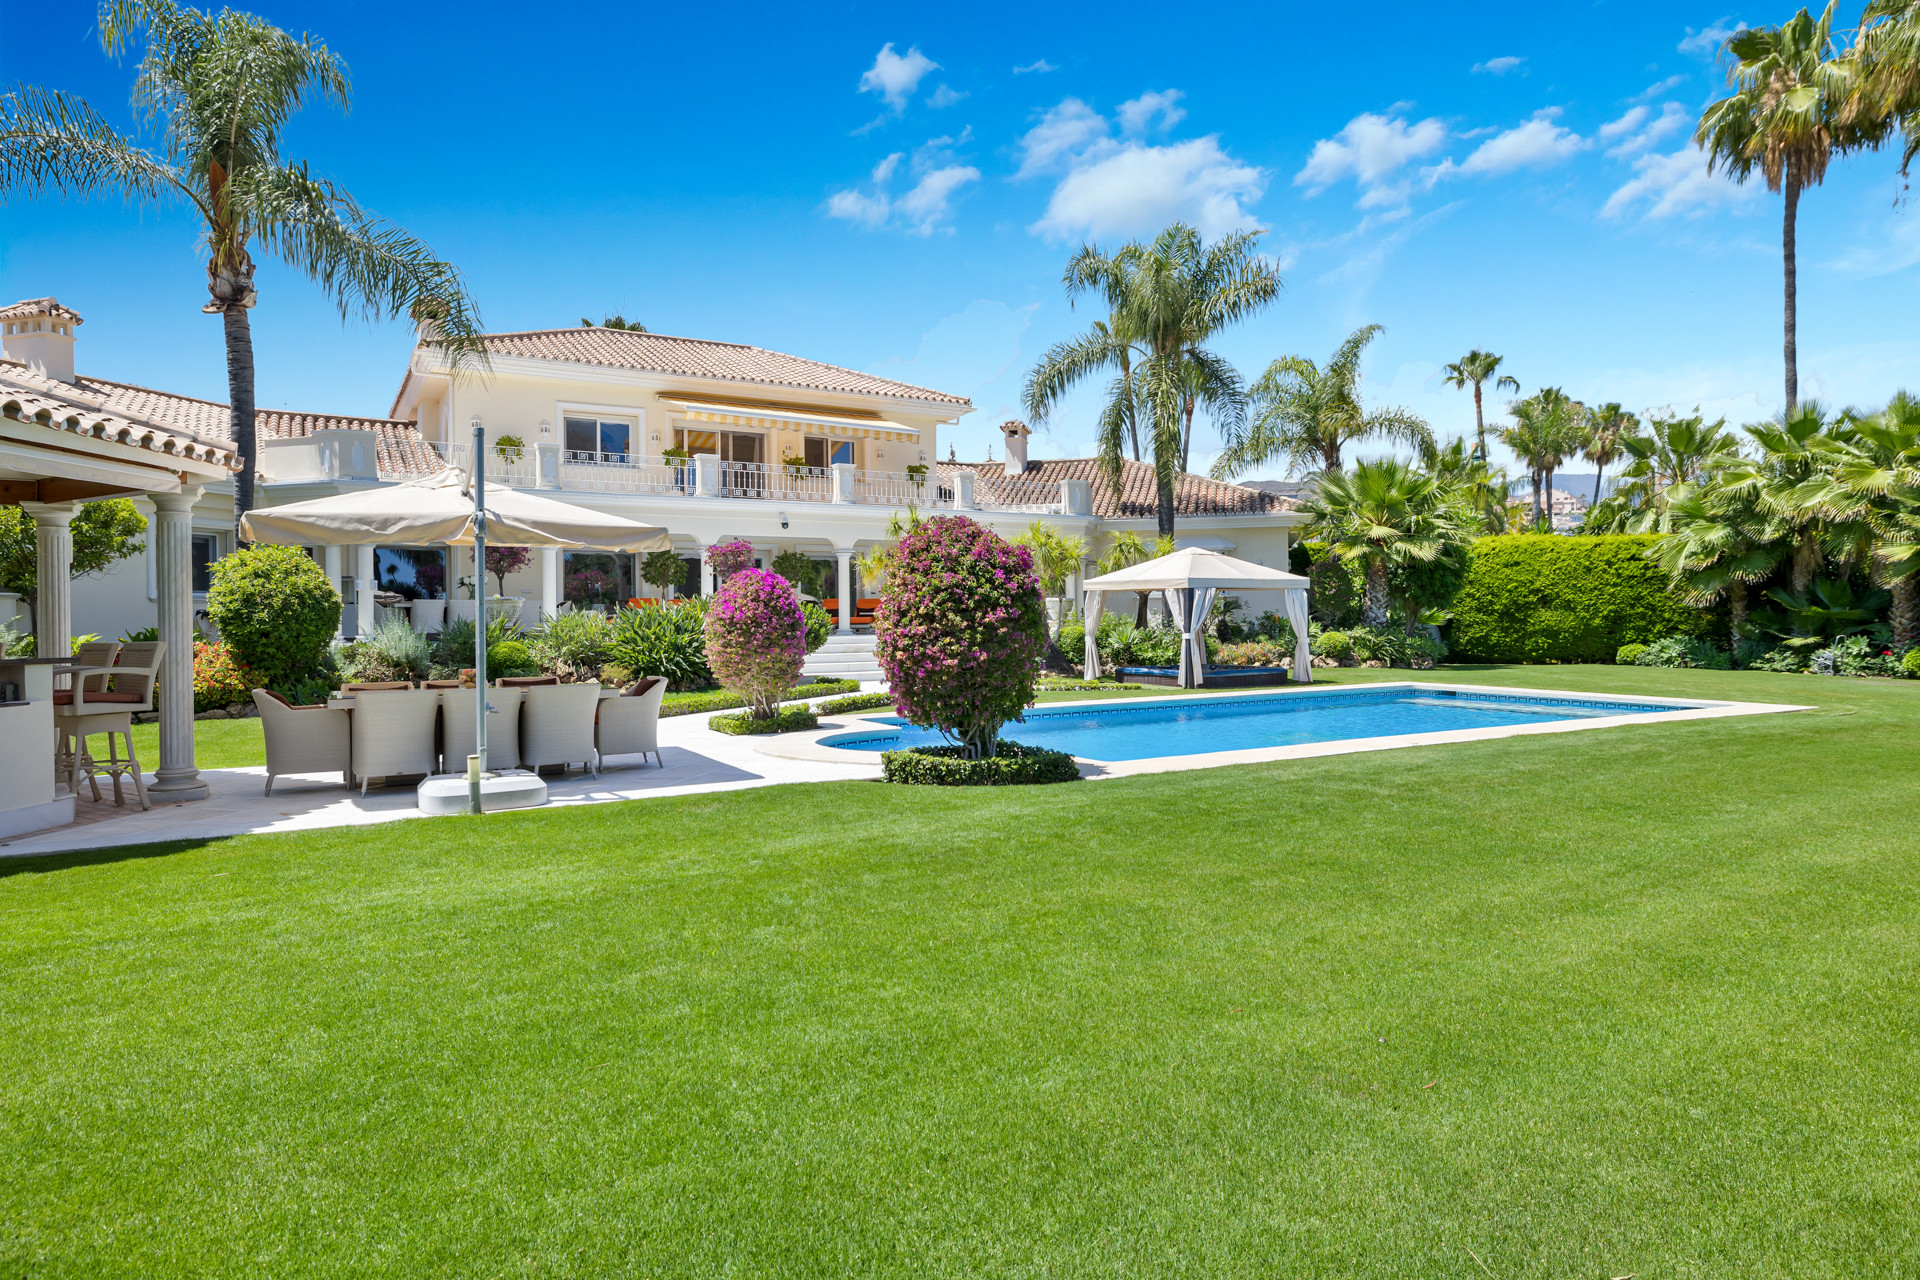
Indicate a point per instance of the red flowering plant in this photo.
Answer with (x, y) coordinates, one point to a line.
(757, 637)
(729, 558)
(962, 628)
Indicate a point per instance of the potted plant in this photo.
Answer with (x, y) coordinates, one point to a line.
(509, 448)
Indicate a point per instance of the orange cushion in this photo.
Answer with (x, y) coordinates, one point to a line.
(524, 682)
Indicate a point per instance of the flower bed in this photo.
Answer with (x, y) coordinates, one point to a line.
(785, 720)
(1014, 766)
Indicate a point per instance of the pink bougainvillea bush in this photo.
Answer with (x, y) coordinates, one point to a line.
(757, 637)
(729, 558)
(962, 628)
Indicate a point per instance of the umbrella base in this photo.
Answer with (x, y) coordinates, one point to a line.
(448, 792)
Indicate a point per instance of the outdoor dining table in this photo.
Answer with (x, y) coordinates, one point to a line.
(337, 701)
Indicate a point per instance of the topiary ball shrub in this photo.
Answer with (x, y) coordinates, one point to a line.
(511, 658)
(1012, 765)
(820, 625)
(1628, 655)
(784, 720)
(1334, 644)
(757, 637)
(275, 609)
(1910, 664)
(962, 628)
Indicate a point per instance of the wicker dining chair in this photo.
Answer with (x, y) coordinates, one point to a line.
(310, 739)
(556, 726)
(457, 716)
(91, 708)
(630, 724)
(393, 732)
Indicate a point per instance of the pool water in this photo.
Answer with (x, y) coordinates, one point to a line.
(1195, 725)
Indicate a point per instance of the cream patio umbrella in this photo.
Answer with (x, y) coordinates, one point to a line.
(455, 508)
(1188, 579)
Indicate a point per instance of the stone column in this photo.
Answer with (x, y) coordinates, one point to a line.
(844, 588)
(330, 560)
(550, 586)
(177, 778)
(706, 572)
(363, 581)
(53, 566)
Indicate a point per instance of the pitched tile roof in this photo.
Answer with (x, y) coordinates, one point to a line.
(39, 307)
(1138, 498)
(29, 395)
(400, 445)
(702, 358)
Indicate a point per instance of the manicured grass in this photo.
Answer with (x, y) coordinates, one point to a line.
(1620, 1001)
(217, 744)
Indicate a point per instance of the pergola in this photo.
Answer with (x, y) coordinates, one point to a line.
(1188, 580)
(58, 449)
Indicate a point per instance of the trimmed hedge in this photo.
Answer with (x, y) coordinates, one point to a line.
(1537, 597)
(785, 720)
(689, 704)
(1015, 766)
(858, 702)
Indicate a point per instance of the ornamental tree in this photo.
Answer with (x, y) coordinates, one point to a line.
(729, 558)
(757, 637)
(962, 628)
(502, 561)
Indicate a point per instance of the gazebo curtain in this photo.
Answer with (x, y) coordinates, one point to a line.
(1297, 615)
(1093, 604)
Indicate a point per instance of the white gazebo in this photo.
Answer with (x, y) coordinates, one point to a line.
(1188, 580)
(60, 448)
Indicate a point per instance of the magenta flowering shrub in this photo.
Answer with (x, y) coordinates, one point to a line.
(729, 558)
(757, 637)
(962, 628)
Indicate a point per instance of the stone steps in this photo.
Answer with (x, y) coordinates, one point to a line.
(844, 657)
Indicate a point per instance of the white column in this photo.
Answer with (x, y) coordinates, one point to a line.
(363, 589)
(845, 586)
(53, 567)
(549, 582)
(177, 778)
(706, 572)
(331, 562)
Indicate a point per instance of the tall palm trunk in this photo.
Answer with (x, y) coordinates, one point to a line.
(1374, 613)
(1133, 416)
(1535, 473)
(1164, 508)
(1737, 607)
(1787, 255)
(239, 335)
(1599, 472)
(1905, 612)
(1806, 558)
(1186, 436)
(1479, 424)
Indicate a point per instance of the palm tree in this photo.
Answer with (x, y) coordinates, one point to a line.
(1790, 482)
(1886, 88)
(1721, 541)
(1112, 344)
(1876, 484)
(1787, 117)
(1384, 514)
(1674, 451)
(1473, 370)
(1126, 550)
(1055, 558)
(222, 87)
(1166, 300)
(1306, 415)
(1605, 427)
(1547, 426)
(1480, 485)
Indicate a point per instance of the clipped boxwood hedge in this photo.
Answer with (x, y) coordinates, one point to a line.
(1014, 766)
(689, 704)
(1537, 597)
(857, 702)
(786, 720)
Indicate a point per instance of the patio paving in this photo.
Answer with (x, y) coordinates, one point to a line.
(696, 760)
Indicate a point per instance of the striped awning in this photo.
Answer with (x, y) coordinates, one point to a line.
(747, 413)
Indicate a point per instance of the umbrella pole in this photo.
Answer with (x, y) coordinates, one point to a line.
(476, 763)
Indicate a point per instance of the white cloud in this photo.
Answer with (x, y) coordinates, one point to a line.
(1039, 65)
(1371, 149)
(1063, 132)
(1706, 42)
(1676, 183)
(1536, 144)
(895, 77)
(1635, 132)
(1133, 188)
(1653, 91)
(1497, 66)
(945, 96)
(1140, 115)
(924, 207)
(1895, 248)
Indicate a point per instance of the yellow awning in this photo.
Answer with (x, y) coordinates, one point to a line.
(747, 413)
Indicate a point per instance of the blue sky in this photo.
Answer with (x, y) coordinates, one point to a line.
(896, 189)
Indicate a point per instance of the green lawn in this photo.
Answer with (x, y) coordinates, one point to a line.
(1622, 1001)
(217, 744)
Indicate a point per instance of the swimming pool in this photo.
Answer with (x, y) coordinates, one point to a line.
(1202, 725)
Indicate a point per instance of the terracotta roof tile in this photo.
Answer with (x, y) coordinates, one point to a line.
(40, 306)
(701, 358)
(401, 448)
(1138, 498)
(30, 395)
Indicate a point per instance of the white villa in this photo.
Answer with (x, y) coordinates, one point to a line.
(712, 440)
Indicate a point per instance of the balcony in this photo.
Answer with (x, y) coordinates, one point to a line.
(549, 467)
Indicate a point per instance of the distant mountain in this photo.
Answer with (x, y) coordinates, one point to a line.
(1580, 486)
(1280, 488)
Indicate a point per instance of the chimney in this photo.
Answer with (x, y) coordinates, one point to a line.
(39, 333)
(1016, 433)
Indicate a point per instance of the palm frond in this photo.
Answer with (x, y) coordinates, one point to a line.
(50, 139)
